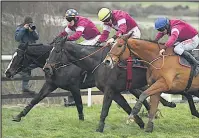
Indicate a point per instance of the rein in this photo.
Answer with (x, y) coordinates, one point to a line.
(144, 61)
(151, 63)
(64, 65)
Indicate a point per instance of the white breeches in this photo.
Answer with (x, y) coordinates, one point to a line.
(136, 32)
(91, 41)
(187, 45)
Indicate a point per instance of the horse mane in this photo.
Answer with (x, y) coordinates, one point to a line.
(150, 40)
(38, 50)
(83, 46)
(87, 45)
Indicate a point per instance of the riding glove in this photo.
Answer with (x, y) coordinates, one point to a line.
(111, 40)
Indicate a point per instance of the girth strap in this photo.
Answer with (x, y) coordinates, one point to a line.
(193, 68)
(129, 73)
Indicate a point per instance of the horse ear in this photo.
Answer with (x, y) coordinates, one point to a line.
(23, 46)
(63, 40)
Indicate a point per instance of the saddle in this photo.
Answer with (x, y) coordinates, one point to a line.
(194, 69)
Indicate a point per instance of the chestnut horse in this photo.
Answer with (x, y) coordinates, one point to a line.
(164, 73)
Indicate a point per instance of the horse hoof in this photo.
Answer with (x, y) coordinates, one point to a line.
(100, 127)
(196, 114)
(139, 121)
(99, 130)
(16, 119)
(172, 105)
(149, 127)
(81, 117)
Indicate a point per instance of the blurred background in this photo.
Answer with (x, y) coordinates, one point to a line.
(48, 18)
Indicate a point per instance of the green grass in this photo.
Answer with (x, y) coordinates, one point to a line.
(62, 122)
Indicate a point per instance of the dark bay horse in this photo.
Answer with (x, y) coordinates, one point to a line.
(68, 78)
(111, 82)
(164, 73)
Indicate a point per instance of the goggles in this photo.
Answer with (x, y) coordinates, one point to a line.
(161, 29)
(69, 19)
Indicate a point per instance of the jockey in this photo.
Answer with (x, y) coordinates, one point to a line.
(181, 32)
(119, 20)
(80, 26)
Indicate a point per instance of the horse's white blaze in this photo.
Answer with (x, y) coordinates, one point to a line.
(48, 57)
(52, 50)
(14, 55)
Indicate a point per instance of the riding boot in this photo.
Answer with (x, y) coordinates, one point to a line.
(190, 58)
(192, 61)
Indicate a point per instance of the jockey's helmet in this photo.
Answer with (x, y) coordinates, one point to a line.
(161, 23)
(70, 14)
(104, 14)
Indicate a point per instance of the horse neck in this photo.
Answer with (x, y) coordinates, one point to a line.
(147, 51)
(34, 54)
(77, 52)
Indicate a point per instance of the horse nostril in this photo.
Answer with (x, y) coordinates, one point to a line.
(8, 75)
(107, 62)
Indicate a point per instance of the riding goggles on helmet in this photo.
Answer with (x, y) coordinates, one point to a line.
(69, 19)
(161, 29)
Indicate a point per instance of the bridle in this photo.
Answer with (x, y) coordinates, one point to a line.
(123, 50)
(29, 63)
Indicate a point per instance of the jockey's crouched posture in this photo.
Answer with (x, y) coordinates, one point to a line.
(181, 32)
(119, 20)
(79, 26)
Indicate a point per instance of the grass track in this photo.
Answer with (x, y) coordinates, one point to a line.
(60, 122)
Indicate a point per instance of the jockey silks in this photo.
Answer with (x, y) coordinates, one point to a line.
(179, 31)
(122, 22)
(82, 27)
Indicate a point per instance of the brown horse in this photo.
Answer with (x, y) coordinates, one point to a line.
(164, 73)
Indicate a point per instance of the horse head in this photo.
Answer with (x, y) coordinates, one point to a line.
(119, 51)
(125, 46)
(55, 58)
(16, 64)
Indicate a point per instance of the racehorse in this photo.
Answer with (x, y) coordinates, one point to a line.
(90, 58)
(164, 73)
(68, 78)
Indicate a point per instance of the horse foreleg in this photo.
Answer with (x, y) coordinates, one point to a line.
(137, 93)
(78, 101)
(157, 87)
(154, 101)
(191, 104)
(107, 100)
(121, 101)
(46, 89)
